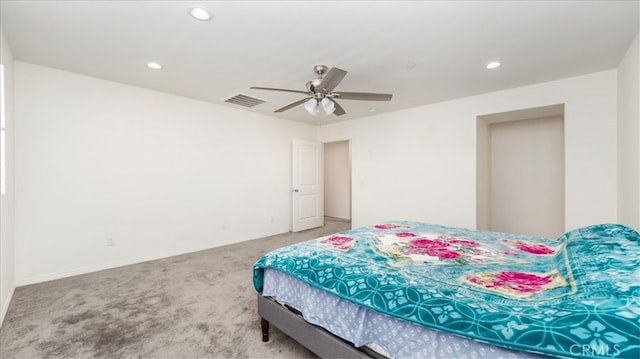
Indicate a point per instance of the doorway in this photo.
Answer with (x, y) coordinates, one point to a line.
(337, 180)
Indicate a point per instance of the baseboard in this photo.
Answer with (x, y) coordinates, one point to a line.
(115, 264)
(83, 270)
(5, 307)
(110, 265)
(337, 219)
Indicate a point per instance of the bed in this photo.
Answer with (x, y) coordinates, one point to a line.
(409, 289)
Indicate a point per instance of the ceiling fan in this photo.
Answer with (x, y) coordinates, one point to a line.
(320, 93)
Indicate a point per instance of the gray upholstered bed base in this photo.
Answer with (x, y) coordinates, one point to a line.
(314, 338)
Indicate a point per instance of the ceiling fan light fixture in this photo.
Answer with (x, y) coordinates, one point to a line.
(328, 106)
(312, 106)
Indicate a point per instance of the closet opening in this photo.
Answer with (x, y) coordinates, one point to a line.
(520, 171)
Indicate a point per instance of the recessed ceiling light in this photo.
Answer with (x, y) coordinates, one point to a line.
(154, 65)
(200, 13)
(493, 65)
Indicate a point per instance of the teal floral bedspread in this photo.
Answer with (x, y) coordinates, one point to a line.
(574, 296)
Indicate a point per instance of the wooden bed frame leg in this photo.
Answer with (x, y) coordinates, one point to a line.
(265, 329)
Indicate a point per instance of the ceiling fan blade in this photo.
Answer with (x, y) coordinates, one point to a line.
(339, 111)
(292, 105)
(332, 79)
(284, 90)
(363, 96)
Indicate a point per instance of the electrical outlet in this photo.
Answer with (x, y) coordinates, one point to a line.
(111, 242)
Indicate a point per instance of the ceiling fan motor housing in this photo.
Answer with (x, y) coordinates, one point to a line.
(312, 86)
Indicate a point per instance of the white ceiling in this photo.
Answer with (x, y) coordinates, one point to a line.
(277, 43)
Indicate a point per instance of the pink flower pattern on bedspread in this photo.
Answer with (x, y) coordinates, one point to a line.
(440, 249)
(516, 284)
(342, 243)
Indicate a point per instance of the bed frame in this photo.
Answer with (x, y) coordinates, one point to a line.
(312, 337)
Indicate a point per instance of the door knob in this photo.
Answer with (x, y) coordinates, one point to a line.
(295, 190)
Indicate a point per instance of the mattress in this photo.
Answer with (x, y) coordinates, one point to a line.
(391, 337)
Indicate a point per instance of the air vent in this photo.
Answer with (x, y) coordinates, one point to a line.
(244, 100)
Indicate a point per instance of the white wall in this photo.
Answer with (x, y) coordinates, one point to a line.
(159, 174)
(629, 137)
(420, 163)
(337, 180)
(7, 263)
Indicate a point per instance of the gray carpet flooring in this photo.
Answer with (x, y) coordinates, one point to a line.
(197, 305)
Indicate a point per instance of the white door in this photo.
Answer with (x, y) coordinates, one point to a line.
(307, 191)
